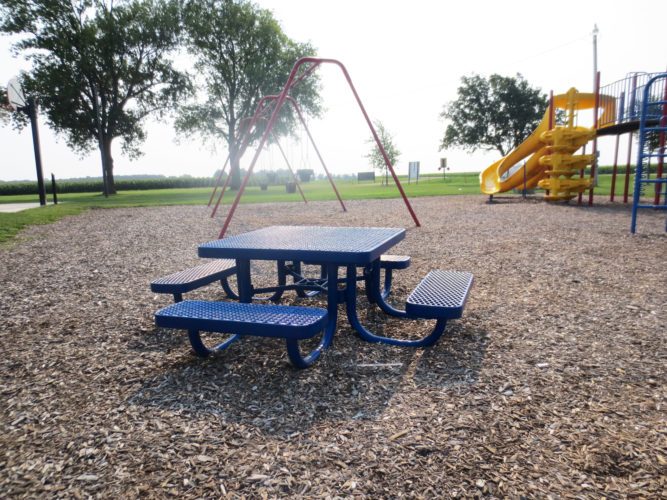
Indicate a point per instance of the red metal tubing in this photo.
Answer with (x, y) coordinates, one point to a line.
(628, 164)
(217, 184)
(312, 141)
(661, 148)
(614, 169)
(278, 105)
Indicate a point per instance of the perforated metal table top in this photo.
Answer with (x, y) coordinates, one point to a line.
(342, 245)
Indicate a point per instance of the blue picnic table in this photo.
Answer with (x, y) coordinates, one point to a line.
(440, 296)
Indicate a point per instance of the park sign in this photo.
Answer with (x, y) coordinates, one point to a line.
(413, 171)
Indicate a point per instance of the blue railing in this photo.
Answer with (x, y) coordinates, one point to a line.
(629, 94)
(652, 125)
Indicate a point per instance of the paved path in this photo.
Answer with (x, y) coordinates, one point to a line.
(16, 207)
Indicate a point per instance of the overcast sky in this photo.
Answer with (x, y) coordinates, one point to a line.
(405, 60)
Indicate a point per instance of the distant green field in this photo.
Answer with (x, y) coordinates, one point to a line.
(349, 189)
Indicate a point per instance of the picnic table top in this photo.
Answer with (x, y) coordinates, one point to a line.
(341, 245)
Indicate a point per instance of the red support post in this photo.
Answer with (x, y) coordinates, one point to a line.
(614, 169)
(217, 184)
(278, 105)
(627, 169)
(661, 148)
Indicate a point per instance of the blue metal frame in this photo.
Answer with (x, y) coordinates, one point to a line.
(648, 104)
(330, 247)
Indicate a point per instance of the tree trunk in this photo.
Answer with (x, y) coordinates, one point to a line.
(235, 167)
(107, 166)
(235, 182)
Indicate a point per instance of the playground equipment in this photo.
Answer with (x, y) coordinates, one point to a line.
(277, 103)
(263, 108)
(552, 163)
(653, 126)
(637, 103)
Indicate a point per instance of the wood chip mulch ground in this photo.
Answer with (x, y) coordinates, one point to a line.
(552, 385)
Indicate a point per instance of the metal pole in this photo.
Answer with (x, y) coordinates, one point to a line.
(595, 55)
(551, 121)
(524, 179)
(53, 188)
(32, 113)
(278, 104)
(661, 148)
(594, 170)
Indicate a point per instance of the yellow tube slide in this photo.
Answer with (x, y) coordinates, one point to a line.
(489, 179)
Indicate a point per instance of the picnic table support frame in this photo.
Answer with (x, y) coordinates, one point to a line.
(351, 308)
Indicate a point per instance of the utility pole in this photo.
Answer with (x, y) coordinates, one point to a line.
(595, 84)
(595, 55)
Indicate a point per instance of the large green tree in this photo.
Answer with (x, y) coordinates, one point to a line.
(241, 55)
(99, 67)
(497, 113)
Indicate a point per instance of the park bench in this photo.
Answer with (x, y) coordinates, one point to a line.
(196, 277)
(237, 318)
(441, 295)
(220, 269)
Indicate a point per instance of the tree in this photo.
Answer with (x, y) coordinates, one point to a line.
(375, 156)
(241, 55)
(497, 113)
(99, 68)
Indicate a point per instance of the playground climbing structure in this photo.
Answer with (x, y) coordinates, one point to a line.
(652, 131)
(561, 162)
(635, 104)
(549, 152)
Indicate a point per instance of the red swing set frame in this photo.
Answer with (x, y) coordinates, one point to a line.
(278, 102)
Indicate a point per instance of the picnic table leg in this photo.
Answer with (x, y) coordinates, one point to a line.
(203, 351)
(293, 350)
(243, 279)
(228, 290)
(351, 307)
(377, 296)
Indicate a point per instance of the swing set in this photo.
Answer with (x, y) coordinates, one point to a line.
(274, 104)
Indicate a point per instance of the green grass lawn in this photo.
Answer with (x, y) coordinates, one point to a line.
(349, 189)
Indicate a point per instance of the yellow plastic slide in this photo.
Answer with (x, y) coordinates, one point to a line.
(490, 179)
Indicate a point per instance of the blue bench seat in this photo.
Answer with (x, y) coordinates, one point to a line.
(394, 261)
(195, 277)
(238, 319)
(441, 294)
